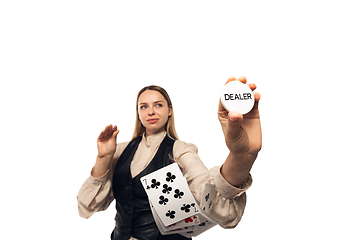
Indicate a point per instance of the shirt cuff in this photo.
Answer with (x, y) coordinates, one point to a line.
(226, 190)
(93, 182)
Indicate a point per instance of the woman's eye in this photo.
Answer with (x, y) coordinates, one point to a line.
(142, 107)
(159, 105)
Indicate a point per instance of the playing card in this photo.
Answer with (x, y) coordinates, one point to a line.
(189, 221)
(207, 198)
(182, 226)
(205, 225)
(207, 221)
(170, 195)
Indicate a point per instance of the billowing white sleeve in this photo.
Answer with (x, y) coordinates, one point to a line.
(94, 195)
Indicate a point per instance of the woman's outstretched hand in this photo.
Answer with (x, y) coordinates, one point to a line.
(243, 138)
(106, 144)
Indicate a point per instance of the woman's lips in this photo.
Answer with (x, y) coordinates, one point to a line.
(153, 120)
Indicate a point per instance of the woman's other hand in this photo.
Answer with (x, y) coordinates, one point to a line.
(106, 144)
(243, 138)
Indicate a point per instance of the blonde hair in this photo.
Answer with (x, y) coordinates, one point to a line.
(169, 126)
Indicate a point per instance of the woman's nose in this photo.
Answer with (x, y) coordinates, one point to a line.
(151, 111)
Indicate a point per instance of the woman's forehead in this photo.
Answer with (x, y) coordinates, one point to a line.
(150, 96)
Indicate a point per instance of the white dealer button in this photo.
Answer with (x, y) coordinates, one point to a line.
(237, 96)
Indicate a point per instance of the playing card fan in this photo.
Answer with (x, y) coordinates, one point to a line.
(161, 187)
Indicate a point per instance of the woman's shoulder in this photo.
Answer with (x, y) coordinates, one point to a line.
(181, 147)
(120, 147)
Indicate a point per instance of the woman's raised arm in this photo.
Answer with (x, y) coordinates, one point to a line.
(243, 138)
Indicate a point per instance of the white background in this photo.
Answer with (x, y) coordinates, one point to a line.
(69, 68)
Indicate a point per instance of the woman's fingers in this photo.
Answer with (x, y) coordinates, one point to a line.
(257, 96)
(243, 80)
(230, 79)
(115, 131)
(252, 86)
(108, 132)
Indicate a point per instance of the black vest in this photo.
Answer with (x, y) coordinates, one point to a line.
(134, 217)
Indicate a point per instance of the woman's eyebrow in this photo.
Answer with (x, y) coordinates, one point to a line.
(159, 101)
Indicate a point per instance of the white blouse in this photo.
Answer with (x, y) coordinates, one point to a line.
(228, 204)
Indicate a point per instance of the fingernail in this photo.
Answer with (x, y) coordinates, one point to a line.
(230, 79)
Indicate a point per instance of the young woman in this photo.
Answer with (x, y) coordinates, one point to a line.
(119, 167)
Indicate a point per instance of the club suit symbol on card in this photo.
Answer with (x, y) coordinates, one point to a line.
(170, 177)
(186, 208)
(207, 197)
(166, 189)
(163, 200)
(170, 214)
(155, 184)
(207, 200)
(178, 194)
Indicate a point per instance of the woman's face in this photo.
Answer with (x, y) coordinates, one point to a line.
(153, 111)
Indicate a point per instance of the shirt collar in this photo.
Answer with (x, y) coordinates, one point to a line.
(153, 140)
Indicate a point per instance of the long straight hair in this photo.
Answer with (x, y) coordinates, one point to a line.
(170, 124)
